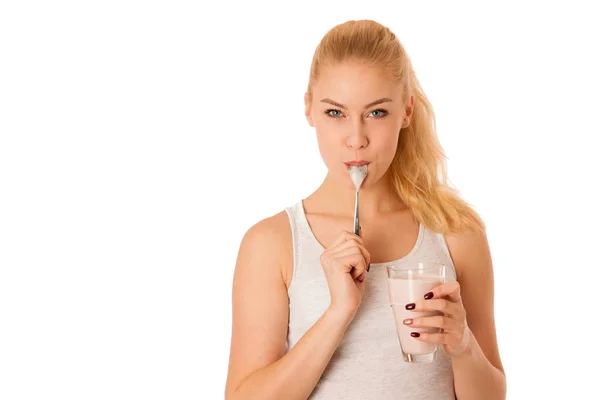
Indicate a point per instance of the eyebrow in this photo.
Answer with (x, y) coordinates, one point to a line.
(383, 100)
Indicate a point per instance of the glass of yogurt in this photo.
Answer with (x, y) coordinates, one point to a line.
(408, 284)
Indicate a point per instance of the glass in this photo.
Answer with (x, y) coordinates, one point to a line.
(408, 285)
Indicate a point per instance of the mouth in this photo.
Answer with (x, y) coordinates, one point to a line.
(357, 163)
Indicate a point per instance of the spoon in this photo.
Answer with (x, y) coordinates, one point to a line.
(358, 175)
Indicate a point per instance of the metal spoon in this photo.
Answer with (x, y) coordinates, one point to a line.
(358, 175)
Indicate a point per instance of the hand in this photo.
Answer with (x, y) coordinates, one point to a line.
(455, 336)
(345, 264)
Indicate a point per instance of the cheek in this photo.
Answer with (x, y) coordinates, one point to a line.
(329, 144)
(385, 150)
(385, 144)
(389, 150)
(327, 149)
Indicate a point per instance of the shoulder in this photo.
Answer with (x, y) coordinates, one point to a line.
(469, 249)
(273, 232)
(268, 244)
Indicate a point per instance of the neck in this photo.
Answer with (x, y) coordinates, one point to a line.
(336, 198)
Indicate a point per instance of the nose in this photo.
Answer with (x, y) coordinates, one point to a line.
(357, 137)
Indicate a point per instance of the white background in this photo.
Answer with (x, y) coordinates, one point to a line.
(140, 140)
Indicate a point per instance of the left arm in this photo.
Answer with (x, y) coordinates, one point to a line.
(478, 371)
(467, 320)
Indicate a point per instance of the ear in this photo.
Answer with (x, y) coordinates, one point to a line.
(409, 111)
(307, 106)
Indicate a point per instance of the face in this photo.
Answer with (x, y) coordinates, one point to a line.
(357, 112)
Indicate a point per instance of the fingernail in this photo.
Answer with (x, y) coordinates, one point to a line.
(408, 321)
(415, 334)
(428, 295)
(410, 306)
(369, 267)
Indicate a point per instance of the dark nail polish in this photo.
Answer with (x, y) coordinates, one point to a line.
(415, 334)
(410, 306)
(369, 267)
(428, 295)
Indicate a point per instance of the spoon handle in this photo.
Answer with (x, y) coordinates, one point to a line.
(356, 221)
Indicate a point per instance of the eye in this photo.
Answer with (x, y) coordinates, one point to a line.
(382, 113)
(329, 112)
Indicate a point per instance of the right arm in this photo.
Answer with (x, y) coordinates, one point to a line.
(258, 367)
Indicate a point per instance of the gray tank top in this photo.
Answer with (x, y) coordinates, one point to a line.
(368, 362)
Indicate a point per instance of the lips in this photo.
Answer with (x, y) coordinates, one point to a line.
(357, 163)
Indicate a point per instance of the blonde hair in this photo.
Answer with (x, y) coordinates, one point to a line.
(418, 169)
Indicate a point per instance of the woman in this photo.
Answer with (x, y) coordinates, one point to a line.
(309, 317)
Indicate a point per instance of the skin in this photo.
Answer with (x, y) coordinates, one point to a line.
(350, 132)
(259, 366)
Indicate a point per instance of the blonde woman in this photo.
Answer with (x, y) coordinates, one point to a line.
(311, 317)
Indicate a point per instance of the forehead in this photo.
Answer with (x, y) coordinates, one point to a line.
(354, 84)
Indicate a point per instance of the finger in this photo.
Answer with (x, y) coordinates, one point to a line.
(361, 277)
(450, 290)
(343, 236)
(351, 244)
(439, 338)
(353, 263)
(445, 306)
(435, 321)
(332, 251)
(346, 252)
(350, 252)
